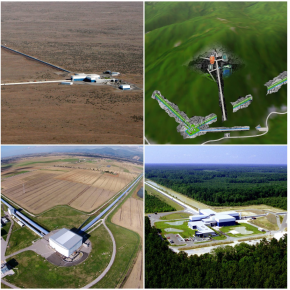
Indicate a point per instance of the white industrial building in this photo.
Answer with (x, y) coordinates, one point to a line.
(225, 220)
(202, 229)
(85, 77)
(78, 77)
(92, 78)
(65, 242)
(209, 218)
(124, 87)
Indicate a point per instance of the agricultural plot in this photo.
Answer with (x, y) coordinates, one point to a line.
(41, 188)
(130, 216)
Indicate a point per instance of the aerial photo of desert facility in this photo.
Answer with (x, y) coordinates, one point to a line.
(72, 72)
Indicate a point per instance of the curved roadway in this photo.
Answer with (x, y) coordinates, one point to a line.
(110, 263)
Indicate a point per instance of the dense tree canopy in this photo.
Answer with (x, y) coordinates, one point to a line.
(244, 266)
(154, 204)
(225, 184)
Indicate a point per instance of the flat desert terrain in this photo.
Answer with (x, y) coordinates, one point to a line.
(88, 37)
(40, 184)
(130, 216)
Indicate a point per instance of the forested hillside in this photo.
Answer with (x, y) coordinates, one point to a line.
(154, 204)
(225, 184)
(243, 266)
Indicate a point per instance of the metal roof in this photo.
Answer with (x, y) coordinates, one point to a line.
(207, 211)
(66, 238)
(224, 217)
(201, 227)
(230, 212)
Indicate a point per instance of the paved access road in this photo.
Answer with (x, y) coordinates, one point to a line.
(9, 285)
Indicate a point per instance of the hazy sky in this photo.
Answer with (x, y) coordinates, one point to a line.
(216, 154)
(8, 151)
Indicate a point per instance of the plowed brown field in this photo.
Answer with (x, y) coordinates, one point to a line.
(85, 190)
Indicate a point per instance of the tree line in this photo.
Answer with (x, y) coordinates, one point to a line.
(263, 265)
(225, 185)
(154, 204)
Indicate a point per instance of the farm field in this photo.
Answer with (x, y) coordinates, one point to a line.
(51, 113)
(50, 182)
(130, 216)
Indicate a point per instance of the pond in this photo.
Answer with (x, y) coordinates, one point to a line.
(177, 223)
(140, 192)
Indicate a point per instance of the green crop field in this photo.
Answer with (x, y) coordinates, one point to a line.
(48, 161)
(176, 32)
(35, 272)
(13, 174)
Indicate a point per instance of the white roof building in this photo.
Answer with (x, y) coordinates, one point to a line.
(222, 218)
(197, 217)
(231, 213)
(201, 227)
(65, 242)
(207, 211)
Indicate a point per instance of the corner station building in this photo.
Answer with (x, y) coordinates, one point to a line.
(208, 217)
(65, 242)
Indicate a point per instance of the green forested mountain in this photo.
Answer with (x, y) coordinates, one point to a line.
(244, 266)
(177, 32)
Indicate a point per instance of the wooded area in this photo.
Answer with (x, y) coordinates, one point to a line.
(244, 266)
(228, 185)
(154, 204)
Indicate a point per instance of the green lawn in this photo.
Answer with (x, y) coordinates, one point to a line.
(167, 200)
(219, 238)
(187, 232)
(20, 239)
(3, 286)
(179, 215)
(247, 226)
(35, 272)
